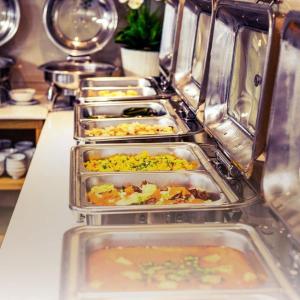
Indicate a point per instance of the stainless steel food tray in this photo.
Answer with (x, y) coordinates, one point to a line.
(82, 153)
(142, 94)
(78, 242)
(179, 128)
(207, 179)
(123, 82)
(116, 108)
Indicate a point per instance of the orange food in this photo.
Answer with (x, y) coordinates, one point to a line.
(171, 268)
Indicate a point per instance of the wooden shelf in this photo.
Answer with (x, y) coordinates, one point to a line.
(9, 184)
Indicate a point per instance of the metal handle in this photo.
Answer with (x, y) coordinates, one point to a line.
(225, 166)
(270, 2)
(79, 59)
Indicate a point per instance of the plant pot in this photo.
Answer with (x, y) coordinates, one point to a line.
(140, 63)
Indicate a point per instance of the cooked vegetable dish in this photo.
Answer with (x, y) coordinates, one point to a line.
(148, 193)
(142, 161)
(131, 112)
(125, 129)
(112, 93)
(170, 268)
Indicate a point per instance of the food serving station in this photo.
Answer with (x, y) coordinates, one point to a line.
(184, 186)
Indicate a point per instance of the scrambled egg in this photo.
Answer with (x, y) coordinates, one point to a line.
(139, 162)
(125, 129)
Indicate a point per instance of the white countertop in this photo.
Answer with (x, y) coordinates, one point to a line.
(29, 256)
(29, 112)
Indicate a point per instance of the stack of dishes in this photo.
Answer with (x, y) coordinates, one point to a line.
(15, 160)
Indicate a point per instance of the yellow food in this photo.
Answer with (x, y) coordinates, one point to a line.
(112, 93)
(139, 162)
(125, 129)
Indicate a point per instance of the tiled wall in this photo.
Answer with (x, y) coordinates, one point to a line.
(31, 46)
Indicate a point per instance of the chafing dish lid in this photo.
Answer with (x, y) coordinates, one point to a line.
(281, 180)
(170, 36)
(9, 19)
(80, 27)
(192, 50)
(79, 67)
(238, 99)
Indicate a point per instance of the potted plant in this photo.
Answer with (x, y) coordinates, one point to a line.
(140, 39)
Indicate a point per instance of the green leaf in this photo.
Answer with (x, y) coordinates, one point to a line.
(143, 30)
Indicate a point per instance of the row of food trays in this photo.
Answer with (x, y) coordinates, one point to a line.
(123, 183)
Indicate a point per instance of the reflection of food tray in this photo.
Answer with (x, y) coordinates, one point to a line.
(247, 258)
(154, 127)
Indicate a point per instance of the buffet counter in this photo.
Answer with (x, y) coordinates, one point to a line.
(30, 112)
(31, 251)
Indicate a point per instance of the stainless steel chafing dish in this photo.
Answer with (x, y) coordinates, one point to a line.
(240, 81)
(204, 177)
(189, 80)
(9, 23)
(79, 244)
(281, 180)
(147, 88)
(116, 109)
(238, 145)
(169, 114)
(84, 132)
(84, 30)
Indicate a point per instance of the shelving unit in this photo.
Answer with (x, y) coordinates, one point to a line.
(7, 183)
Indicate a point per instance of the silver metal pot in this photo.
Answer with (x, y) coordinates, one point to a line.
(67, 74)
(9, 19)
(5, 66)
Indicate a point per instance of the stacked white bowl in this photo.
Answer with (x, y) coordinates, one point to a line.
(15, 161)
(16, 165)
(2, 163)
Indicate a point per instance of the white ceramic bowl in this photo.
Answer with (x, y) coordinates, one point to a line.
(16, 165)
(23, 145)
(8, 151)
(22, 95)
(2, 164)
(29, 154)
(5, 143)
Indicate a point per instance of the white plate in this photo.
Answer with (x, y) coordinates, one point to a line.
(24, 103)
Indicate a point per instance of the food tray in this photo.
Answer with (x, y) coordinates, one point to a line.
(179, 128)
(98, 82)
(115, 109)
(208, 180)
(87, 94)
(82, 241)
(83, 153)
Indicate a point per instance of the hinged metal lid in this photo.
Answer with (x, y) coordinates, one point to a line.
(170, 37)
(9, 19)
(281, 180)
(192, 51)
(242, 66)
(80, 27)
